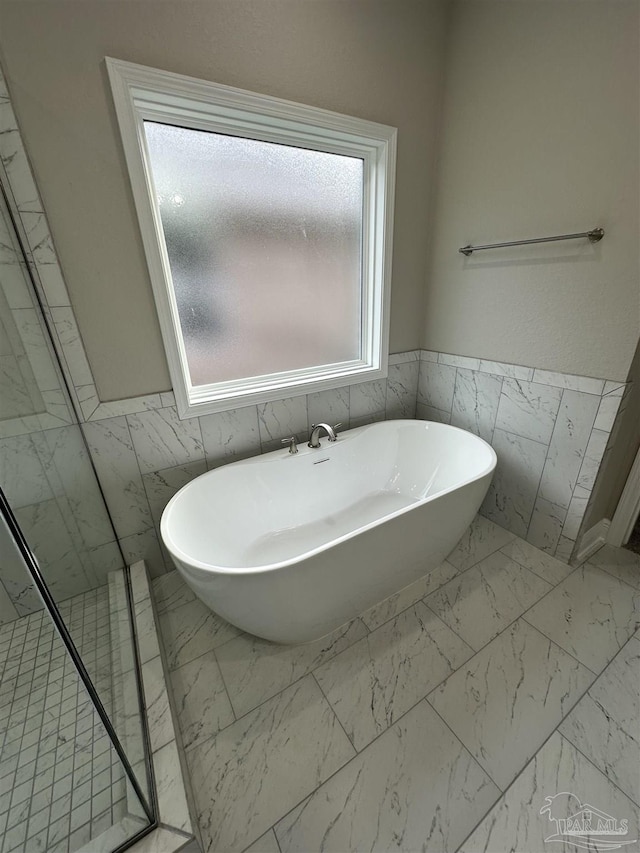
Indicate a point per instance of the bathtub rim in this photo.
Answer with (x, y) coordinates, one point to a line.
(194, 563)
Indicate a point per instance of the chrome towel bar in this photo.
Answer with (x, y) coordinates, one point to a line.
(593, 236)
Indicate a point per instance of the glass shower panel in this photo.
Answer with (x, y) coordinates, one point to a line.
(52, 489)
(63, 787)
(264, 242)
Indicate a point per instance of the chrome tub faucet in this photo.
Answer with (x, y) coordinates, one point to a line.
(314, 438)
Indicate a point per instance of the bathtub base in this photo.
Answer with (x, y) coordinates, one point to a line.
(306, 601)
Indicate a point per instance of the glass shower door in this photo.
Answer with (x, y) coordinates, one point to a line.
(60, 566)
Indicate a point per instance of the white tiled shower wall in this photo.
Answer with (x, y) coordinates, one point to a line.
(549, 430)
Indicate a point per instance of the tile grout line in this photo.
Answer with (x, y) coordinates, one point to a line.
(606, 776)
(588, 562)
(339, 721)
(226, 689)
(475, 565)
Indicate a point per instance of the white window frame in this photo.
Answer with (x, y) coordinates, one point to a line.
(142, 93)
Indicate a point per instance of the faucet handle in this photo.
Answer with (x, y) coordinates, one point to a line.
(335, 426)
(291, 441)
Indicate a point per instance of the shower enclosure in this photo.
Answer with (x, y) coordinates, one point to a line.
(75, 772)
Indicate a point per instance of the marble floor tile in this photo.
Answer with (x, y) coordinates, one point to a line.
(482, 538)
(516, 823)
(170, 591)
(202, 703)
(508, 698)
(532, 558)
(619, 562)
(482, 601)
(590, 614)
(605, 724)
(254, 771)
(254, 669)
(414, 788)
(191, 630)
(390, 607)
(379, 678)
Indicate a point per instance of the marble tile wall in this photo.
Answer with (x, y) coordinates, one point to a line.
(549, 430)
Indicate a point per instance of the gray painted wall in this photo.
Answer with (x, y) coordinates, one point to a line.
(540, 137)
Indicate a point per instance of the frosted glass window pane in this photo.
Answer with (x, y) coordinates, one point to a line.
(265, 247)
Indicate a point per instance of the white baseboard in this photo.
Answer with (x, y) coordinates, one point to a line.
(592, 540)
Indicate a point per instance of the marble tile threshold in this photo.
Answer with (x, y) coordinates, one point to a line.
(176, 830)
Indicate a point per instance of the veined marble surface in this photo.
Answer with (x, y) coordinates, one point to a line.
(255, 669)
(373, 683)
(516, 822)
(415, 788)
(528, 409)
(505, 702)
(605, 724)
(401, 738)
(249, 774)
(162, 440)
(483, 601)
(622, 564)
(481, 538)
(590, 614)
(532, 558)
(191, 630)
(568, 445)
(202, 703)
(512, 493)
(475, 402)
(399, 601)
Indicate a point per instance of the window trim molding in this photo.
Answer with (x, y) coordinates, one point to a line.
(141, 93)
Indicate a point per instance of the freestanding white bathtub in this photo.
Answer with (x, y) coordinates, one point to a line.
(289, 547)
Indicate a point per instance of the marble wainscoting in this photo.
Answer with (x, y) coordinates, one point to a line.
(51, 486)
(425, 723)
(550, 431)
(144, 453)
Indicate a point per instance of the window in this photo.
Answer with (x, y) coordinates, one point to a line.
(267, 230)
